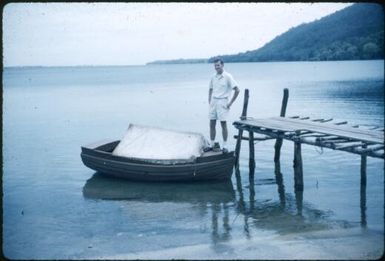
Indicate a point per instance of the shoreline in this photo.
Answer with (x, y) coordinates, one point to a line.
(355, 243)
(160, 64)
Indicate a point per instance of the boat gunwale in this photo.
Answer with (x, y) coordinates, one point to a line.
(97, 153)
(222, 162)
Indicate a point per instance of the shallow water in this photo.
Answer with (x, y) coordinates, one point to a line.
(55, 207)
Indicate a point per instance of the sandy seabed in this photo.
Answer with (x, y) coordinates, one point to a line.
(353, 244)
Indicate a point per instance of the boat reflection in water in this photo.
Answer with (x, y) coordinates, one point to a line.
(212, 198)
(229, 210)
(101, 187)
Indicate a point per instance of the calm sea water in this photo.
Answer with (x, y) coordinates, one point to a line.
(55, 207)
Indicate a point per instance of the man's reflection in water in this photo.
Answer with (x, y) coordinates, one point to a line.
(220, 235)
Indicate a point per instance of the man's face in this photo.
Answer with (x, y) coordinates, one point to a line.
(218, 67)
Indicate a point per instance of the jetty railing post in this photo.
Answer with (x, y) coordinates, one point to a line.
(240, 132)
(363, 188)
(298, 170)
(278, 142)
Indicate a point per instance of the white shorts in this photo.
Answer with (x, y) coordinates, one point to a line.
(218, 109)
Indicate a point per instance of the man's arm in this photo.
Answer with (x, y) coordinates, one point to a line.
(236, 92)
(210, 94)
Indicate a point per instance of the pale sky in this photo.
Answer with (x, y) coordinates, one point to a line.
(65, 34)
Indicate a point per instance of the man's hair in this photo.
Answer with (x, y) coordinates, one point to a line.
(218, 60)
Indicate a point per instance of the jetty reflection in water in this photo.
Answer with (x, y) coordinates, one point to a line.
(219, 200)
(287, 215)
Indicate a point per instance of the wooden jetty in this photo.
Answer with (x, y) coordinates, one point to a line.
(324, 133)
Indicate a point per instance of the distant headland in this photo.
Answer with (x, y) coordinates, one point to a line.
(353, 33)
(180, 61)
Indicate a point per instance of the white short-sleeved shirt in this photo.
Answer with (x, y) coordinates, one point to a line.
(222, 84)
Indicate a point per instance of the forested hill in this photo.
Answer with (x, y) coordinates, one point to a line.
(353, 33)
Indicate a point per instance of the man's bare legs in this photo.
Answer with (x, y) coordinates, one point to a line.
(213, 132)
(224, 134)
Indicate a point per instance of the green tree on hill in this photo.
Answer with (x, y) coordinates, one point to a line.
(356, 32)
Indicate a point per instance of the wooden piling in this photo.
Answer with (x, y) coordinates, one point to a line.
(240, 132)
(281, 186)
(251, 152)
(363, 167)
(252, 191)
(299, 201)
(298, 170)
(363, 188)
(278, 142)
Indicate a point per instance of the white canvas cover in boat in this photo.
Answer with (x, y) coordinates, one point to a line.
(153, 143)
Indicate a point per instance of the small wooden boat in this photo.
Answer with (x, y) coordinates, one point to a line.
(209, 166)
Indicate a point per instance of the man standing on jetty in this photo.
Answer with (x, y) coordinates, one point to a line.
(221, 86)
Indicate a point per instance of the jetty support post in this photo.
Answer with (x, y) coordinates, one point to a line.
(299, 201)
(363, 188)
(278, 142)
(281, 186)
(240, 131)
(298, 169)
(251, 155)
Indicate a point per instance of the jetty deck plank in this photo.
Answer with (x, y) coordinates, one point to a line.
(291, 125)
